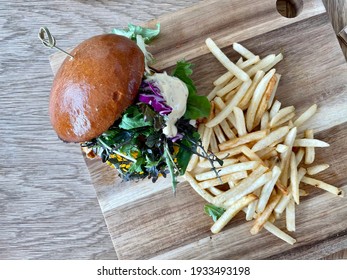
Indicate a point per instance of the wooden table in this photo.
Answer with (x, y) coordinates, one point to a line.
(48, 207)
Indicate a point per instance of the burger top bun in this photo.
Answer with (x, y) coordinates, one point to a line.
(91, 91)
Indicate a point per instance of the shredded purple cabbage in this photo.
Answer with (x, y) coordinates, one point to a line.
(150, 94)
(178, 137)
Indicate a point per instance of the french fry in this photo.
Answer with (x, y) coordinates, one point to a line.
(271, 162)
(263, 217)
(282, 204)
(214, 91)
(201, 129)
(240, 121)
(231, 94)
(266, 61)
(278, 58)
(220, 105)
(278, 141)
(227, 130)
(243, 184)
(265, 151)
(272, 218)
(269, 155)
(290, 123)
(213, 144)
(226, 77)
(294, 178)
(306, 115)
(223, 179)
(322, 185)
(285, 198)
(248, 96)
(214, 190)
(231, 212)
(243, 158)
(309, 151)
(239, 73)
(285, 157)
(219, 134)
(305, 142)
(250, 61)
(279, 233)
(250, 137)
(223, 80)
(267, 189)
(250, 154)
(281, 114)
(303, 192)
(285, 172)
(204, 194)
(237, 192)
(264, 122)
(290, 215)
(288, 118)
(230, 106)
(231, 184)
(227, 170)
(270, 138)
(250, 212)
(256, 98)
(317, 168)
(273, 94)
(281, 188)
(192, 163)
(212, 111)
(243, 51)
(301, 173)
(276, 106)
(281, 148)
(240, 63)
(264, 101)
(234, 83)
(233, 129)
(205, 141)
(300, 155)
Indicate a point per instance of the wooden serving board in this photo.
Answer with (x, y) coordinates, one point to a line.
(146, 221)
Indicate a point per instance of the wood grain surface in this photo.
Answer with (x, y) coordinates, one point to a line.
(302, 68)
(48, 206)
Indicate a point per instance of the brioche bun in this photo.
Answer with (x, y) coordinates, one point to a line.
(92, 90)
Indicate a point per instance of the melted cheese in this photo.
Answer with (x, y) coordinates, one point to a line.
(175, 93)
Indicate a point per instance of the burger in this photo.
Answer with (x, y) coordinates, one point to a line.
(136, 119)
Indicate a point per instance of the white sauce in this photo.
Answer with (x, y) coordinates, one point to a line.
(175, 93)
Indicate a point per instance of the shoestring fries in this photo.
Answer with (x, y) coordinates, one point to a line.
(265, 159)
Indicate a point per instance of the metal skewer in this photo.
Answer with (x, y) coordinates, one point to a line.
(50, 43)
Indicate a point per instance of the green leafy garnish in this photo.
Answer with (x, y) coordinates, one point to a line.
(214, 211)
(140, 35)
(197, 106)
(133, 145)
(173, 169)
(133, 118)
(132, 31)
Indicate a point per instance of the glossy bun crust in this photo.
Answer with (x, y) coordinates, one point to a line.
(92, 90)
